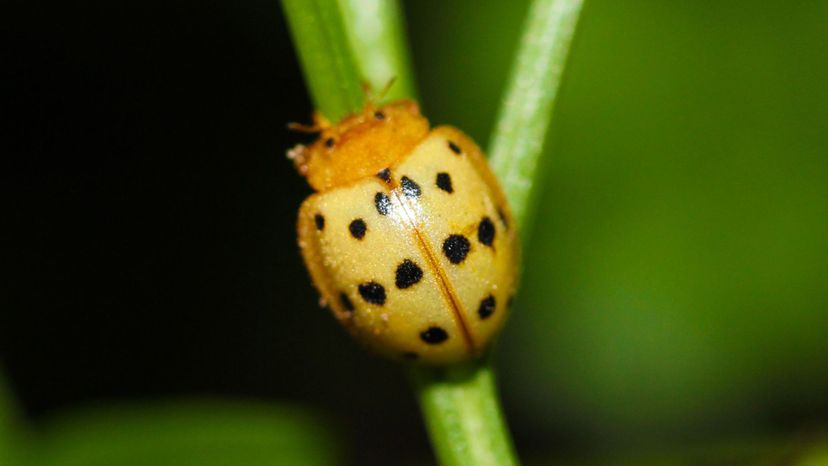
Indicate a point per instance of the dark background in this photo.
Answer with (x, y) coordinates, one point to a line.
(150, 218)
(675, 284)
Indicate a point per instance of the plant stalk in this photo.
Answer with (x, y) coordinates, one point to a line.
(328, 64)
(461, 408)
(461, 404)
(376, 32)
(527, 108)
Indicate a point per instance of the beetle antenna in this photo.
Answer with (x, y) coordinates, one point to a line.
(371, 98)
(320, 123)
(303, 128)
(386, 88)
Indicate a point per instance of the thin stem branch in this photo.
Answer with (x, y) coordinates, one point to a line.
(527, 108)
(462, 411)
(460, 404)
(376, 31)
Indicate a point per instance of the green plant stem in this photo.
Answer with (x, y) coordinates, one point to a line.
(461, 408)
(328, 64)
(527, 108)
(376, 30)
(460, 404)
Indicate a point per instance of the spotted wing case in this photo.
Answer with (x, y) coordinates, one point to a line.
(418, 263)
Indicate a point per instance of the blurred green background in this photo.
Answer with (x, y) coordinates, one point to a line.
(674, 302)
(675, 280)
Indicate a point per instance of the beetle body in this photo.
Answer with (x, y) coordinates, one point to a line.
(408, 238)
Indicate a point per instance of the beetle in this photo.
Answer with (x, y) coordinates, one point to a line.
(408, 237)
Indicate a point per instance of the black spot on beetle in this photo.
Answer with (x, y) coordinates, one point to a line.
(320, 221)
(408, 274)
(382, 203)
(372, 292)
(434, 335)
(444, 182)
(329, 142)
(486, 231)
(454, 148)
(357, 228)
(410, 188)
(456, 247)
(379, 115)
(346, 302)
(384, 175)
(487, 307)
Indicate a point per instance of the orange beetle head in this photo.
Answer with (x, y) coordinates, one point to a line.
(360, 145)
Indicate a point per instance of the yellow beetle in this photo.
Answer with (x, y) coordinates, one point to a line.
(408, 238)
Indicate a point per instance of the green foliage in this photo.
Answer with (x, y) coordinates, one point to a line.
(675, 277)
(197, 433)
(176, 433)
(673, 285)
(12, 437)
(815, 456)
